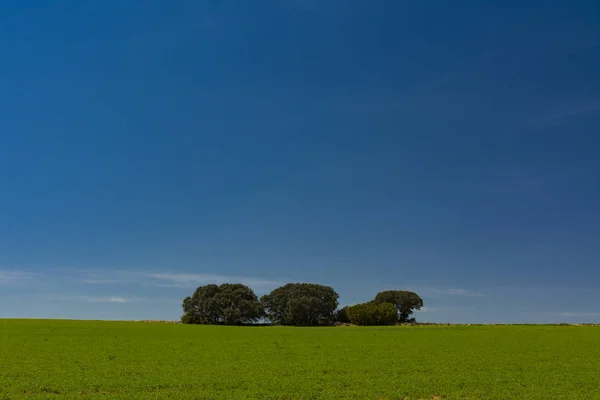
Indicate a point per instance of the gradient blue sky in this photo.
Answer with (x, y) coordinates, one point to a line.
(147, 147)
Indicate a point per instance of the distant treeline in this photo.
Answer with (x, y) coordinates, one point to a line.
(300, 304)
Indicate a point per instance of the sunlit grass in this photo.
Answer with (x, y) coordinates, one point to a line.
(133, 360)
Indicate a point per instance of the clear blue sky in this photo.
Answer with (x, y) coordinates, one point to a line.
(147, 147)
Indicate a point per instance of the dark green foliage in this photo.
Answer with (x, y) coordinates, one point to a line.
(373, 314)
(228, 304)
(190, 317)
(341, 315)
(405, 302)
(301, 304)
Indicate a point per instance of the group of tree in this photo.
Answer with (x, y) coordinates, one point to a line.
(388, 308)
(294, 304)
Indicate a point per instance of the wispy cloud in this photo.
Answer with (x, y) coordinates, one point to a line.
(459, 292)
(429, 309)
(109, 300)
(115, 277)
(92, 281)
(11, 276)
(562, 115)
(579, 314)
(166, 279)
(191, 280)
(100, 299)
(588, 108)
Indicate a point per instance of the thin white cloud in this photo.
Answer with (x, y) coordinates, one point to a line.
(579, 314)
(584, 109)
(100, 299)
(91, 281)
(562, 115)
(191, 280)
(167, 279)
(460, 292)
(429, 309)
(106, 277)
(108, 300)
(12, 276)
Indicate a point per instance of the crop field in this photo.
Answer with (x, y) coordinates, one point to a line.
(43, 359)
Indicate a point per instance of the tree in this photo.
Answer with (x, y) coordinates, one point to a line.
(341, 315)
(405, 302)
(372, 313)
(301, 304)
(228, 304)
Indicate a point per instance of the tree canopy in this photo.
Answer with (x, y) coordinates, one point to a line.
(405, 302)
(301, 304)
(227, 304)
(341, 315)
(294, 304)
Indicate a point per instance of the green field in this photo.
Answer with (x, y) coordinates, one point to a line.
(134, 360)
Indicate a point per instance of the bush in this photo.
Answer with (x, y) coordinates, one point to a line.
(373, 314)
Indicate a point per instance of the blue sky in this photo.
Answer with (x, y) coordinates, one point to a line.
(147, 147)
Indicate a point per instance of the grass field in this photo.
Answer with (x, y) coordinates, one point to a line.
(132, 360)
